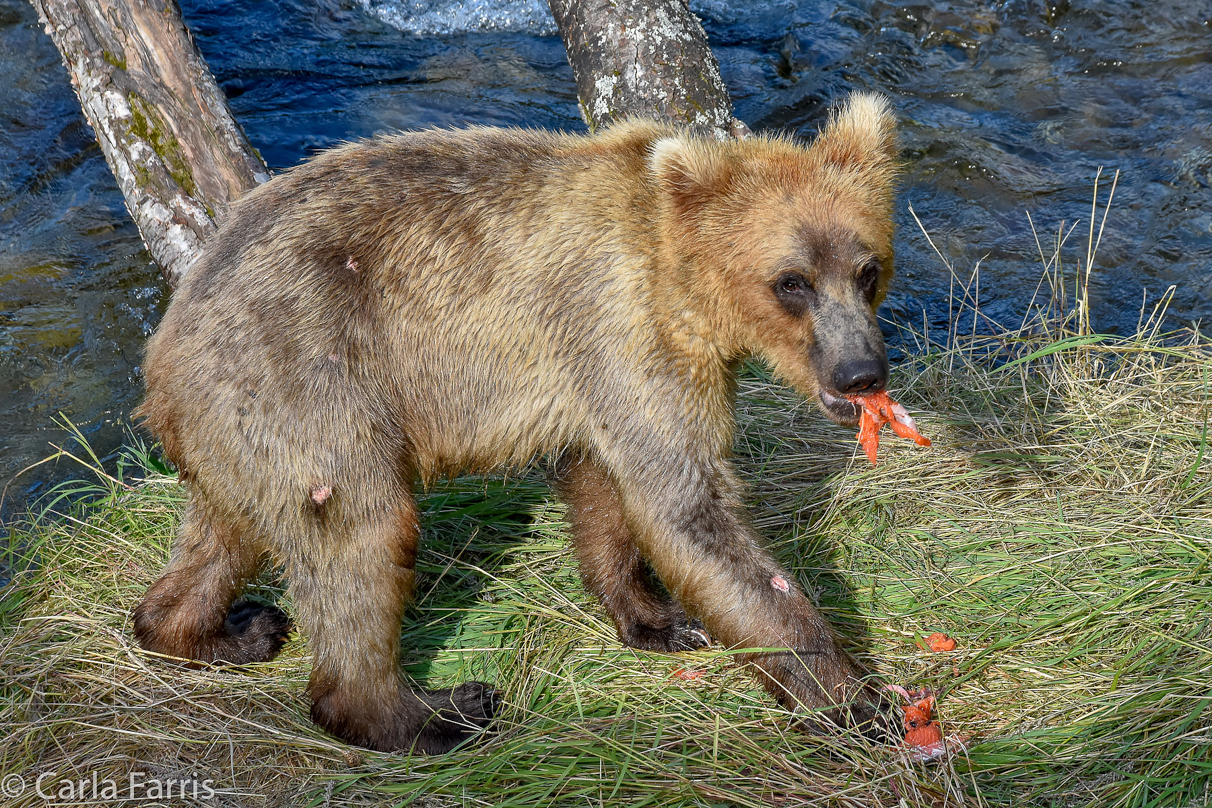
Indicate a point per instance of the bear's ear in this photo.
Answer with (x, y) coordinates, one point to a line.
(689, 170)
(862, 137)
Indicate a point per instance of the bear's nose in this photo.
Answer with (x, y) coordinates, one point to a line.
(860, 376)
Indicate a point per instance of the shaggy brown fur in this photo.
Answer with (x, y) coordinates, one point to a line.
(440, 302)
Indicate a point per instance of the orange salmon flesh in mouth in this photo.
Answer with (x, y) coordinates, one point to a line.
(879, 409)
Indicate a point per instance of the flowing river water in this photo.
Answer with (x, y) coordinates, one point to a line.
(1008, 109)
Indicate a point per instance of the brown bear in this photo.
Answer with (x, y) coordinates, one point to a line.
(440, 302)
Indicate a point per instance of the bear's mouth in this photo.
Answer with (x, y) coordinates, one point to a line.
(839, 409)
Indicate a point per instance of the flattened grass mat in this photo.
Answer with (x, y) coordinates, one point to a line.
(1060, 529)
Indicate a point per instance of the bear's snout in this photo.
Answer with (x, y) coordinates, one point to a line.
(860, 376)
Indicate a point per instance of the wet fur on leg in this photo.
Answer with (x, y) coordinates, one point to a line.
(357, 691)
(189, 613)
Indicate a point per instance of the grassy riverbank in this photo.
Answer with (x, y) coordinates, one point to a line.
(1060, 529)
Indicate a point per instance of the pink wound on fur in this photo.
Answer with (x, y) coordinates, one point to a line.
(351, 264)
(320, 494)
(780, 583)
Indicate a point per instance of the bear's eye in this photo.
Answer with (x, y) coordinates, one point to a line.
(794, 293)
(869, 277)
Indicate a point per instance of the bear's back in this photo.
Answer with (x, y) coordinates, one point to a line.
(424, 279)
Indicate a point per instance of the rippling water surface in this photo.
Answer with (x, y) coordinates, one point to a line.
(1007, 109)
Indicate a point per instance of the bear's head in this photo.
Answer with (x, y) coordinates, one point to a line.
(786, 250)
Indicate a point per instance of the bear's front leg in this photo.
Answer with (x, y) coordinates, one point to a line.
(612, 567)
(690, 525)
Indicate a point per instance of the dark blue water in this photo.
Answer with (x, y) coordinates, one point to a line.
(1007, 109)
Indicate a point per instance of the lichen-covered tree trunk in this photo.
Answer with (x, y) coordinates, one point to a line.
(643, 57)
(181, 159)
(178, 155)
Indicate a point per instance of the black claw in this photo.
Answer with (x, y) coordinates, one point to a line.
(459, 714)
(256, 632)
(682, 634)
(495, 698)
(698, 633)
(240, 615)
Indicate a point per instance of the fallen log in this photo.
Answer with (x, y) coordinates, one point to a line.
(164, 125)
(181, 159)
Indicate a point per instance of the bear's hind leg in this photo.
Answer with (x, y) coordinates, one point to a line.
(189, 611)
(350, 599)
(613, 569)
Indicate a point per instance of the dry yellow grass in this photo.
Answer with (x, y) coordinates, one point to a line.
(1060, 528)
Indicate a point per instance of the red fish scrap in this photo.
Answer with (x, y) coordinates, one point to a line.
(688, 676)
(923, 735)
(939, 642)
(879, 409)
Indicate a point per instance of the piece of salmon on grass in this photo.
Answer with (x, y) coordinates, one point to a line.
(879, 409)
